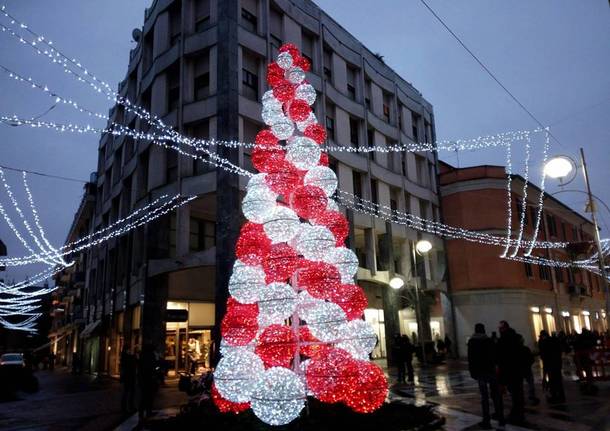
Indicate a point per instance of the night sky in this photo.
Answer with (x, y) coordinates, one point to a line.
(554, 55)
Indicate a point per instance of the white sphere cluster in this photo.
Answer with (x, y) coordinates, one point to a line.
(323, 177)
(276, 303)
(236, 375)
(314, 242)
(278, 396)
(346, 262)
(281, 224)
(303, 152)
(325, 320)
(246, 282)
(358, 338)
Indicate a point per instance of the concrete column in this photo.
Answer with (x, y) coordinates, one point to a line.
(227, 189)
(391, 303)
(153, 313)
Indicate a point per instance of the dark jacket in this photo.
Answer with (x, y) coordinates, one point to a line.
(550, 352)
(510, 356)
(481, 356)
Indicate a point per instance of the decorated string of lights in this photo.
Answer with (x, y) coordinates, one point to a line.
(545, 153)
(293, 324)
(509, 201)
(523, 212)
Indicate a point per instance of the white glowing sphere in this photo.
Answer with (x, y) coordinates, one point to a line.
(281, 224)
(284, 60)
(246, 282)
(257, 183)
(323, 177)
(226, 348)
(315, 242)
(345, 260)
(295, 75)
(272, 115)
(306, 92)
(283, 128)
(303, 152)
(325, 320)
(277, 302)
(331, 205)
(358, 338)
(302, 125)
(258, 204)
(278, 396)
(236, 375)
(270, 101)
(423, 246)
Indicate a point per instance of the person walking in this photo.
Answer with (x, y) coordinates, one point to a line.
(448, 345)
(128, 371)
(482, 367)
(407, 349)
(511, 370)
(147, 382)
(550, 348)
(398, 356)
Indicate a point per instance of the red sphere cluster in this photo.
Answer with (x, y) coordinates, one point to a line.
(335, 222)
(318, 278)
(280, 262)
(239, 326)
(276, 346)
(252, 244)
(308, 201)
(351, 299)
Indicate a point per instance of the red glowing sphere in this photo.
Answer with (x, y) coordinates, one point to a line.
(329, 376)
(265, 156)
(282, 177)
(316, 132)
(368, 388)
(318, 278)
(253, 244)
(335, 222)
(310, 346)
(351, 299)
(275, 74)
(284, 92)
(280, 262)
(290, 48)
(299, 110)
(239, 326)
(302, 62)
(276, 346)
(265, 137)
(324, 159)
(226, 406)
(308, 201)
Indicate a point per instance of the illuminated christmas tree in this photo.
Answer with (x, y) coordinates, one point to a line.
(293, 324)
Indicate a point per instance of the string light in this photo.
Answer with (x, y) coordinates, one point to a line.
(524, 197)
(545, 150)
(509, 201)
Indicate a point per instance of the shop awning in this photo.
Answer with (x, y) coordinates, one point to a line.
(90, 328)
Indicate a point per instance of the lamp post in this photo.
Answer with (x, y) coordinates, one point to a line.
(421, 247)
(560, 167)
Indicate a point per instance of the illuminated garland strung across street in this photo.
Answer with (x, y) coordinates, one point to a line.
(523, 198)
(545, 152)
(292, 268)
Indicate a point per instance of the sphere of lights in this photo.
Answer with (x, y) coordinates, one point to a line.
(265, 157)
(318, 278)
(314, 242)
(325, 320)
(246, 282)
(269, 100)
(303, 152)
(310, 346)
(275, 74)
(306, 92)
(277, 303)
(295, 75)
(282, 177)
(239, 324)
(276, 346)
(226, 406)
(252, 245)
(558, 167)
(358, 338)
(331, 205)
(328, 376)
(279, 262)
(335, 222)
(346, 262)
(351, 298)
(284, 92)
(258, 205)
(226, 348)
(367, 389)
(281, 224)
(272, 115)
(322, 177)
(284, 60)
(299, 110)
(315, 131)
(308, 201)
(278, 396)
(423, 246)
(236, 374)
(283, 128)
(302, 125)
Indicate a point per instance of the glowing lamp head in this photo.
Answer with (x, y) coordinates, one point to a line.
(423, 246)
(397, 283)
(558, 167)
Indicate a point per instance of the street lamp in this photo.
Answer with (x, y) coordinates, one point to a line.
(560, 167)
(397, 283)
(422, 247)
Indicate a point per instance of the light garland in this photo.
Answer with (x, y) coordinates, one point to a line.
(509, 201)
(524, 197)
(286, 212)
(545, 151)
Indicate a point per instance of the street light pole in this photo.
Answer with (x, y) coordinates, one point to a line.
(418, 307)
(600, 253)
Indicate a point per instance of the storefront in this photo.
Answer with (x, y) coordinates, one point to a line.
(188, 341)
(374, 317)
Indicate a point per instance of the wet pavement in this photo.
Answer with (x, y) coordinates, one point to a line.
(457, 398)
(67, 402)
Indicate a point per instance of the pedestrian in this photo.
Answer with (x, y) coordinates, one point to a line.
(527, 360)
(494, 337)
(398, 357)
(584, 344)
(550, 348)
(482, 367)
(128, 372)
(147, 381)
(511, 370)
(441, 348)
(51, 361)
(408, 349)
(448, 345)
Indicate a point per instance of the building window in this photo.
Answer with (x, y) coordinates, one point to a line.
(249, 20)
(147, 52)
(357, 183)
(202, 77)
(250, 76)
(551, 224)
(330, 121)
(175, 23)
(528, 270)
(201, 130)
(559, 274)
(367, 93)
(173, 87)
(400, 116)
(328, 60)
(415, 126)
(309, 43)
(202, 15)
(382, 255)
(360, 246)
(387, 103)
(544, 272)
(375, 195)
(275, 43)
(202, 234)
(352, 74)
(421, 171)
(354, 131)
(171, 165)
(403, 163)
